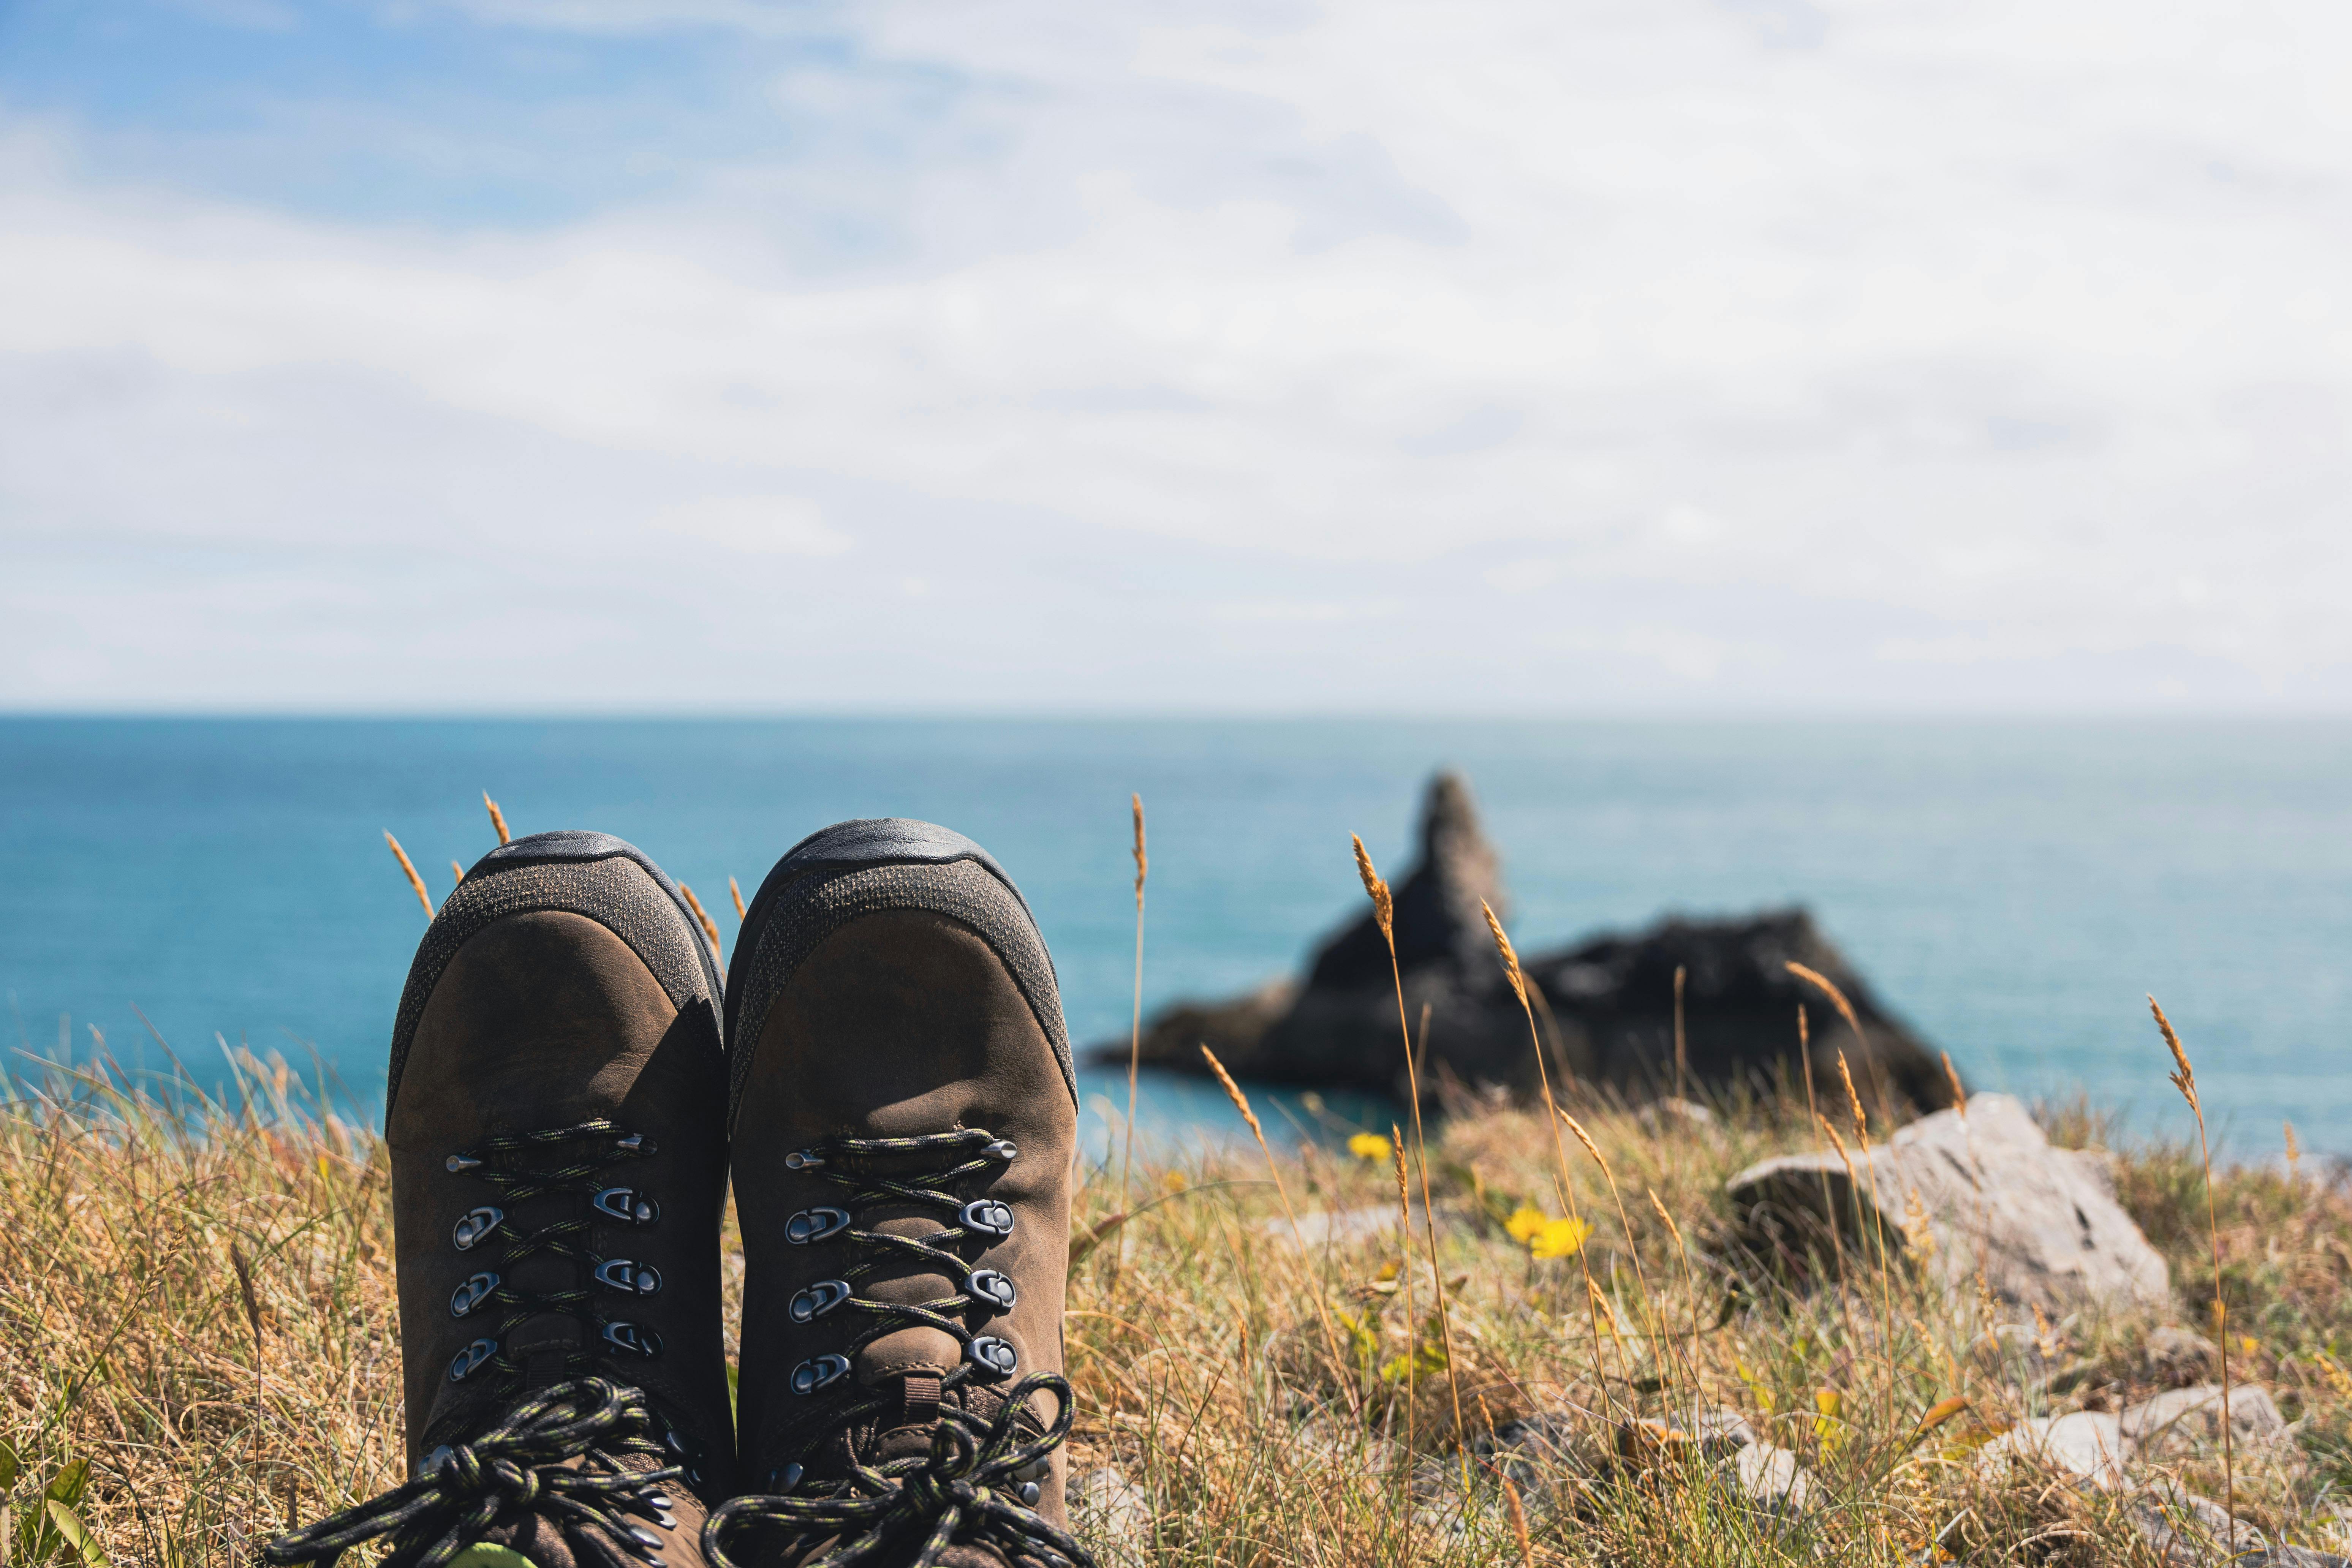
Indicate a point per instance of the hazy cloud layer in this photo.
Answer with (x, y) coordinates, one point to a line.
(1696, 355)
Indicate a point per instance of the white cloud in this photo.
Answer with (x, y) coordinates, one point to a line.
(757, 525)
(1901, 332)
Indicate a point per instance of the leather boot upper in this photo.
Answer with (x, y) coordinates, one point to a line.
(556, 1131)
(904, 1123)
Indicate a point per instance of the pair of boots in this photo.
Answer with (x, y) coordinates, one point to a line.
(885, 1078)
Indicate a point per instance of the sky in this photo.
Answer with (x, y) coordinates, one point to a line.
(1605, 356)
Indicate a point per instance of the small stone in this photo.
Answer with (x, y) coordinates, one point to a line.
(2176, 1355)
(2089, 1443)
(1723, 1431)
(1643, 1442)
(1320, 1227)
(2186, 1531)
(1111, 1512)
(2184, 1416)
(1670, 1118)
(1772, 1477)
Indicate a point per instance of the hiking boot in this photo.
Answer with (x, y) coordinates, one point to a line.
(903, 1121)
(553, 1120)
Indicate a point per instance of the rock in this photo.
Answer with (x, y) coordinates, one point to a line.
(1617, 993)
(2178, 1356)
(2042, 1224)
(2180, 1416)
(1110, 1512)
(1772, 1477)
(1320, 1227)
(1608, 1004)
(1723, 1432)
(1672, 1117)
(2089, 1443)
(2186, 1531)
(1532, 1450)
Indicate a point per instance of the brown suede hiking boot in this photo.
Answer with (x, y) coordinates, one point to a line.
(904, 1118)
(554, 1122)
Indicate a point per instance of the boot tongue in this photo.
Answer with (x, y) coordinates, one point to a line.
(915, 1359)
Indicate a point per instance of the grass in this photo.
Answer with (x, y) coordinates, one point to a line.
(197, 1344)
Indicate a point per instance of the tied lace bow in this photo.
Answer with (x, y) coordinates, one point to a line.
(516, 1467)
(961, 1491)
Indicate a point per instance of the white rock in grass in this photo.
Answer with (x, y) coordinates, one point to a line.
(1325, 1228)
(2184, 1416)
(2042, 1223)
(1772, 1477)
(2089, 1443)
(2179, 1355)
(2186, 1531)
(1110, 1512)
(1723, 1430)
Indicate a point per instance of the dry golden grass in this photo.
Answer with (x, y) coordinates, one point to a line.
(1279, 1404)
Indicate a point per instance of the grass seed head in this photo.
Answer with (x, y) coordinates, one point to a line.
(1853, 1103)
(408, 869)
(498, 819)
(1383, 902)
(1510, 955)
(1233, 1093)
(710, 926)
(737, 894)
(1836, 1142)
(1672, 1228)
(1590, 1148)
(1142, 860)
(2183, 1077)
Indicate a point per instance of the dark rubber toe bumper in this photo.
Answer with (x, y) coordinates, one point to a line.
(869, 866)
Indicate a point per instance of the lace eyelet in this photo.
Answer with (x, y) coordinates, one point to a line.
(470, 1359)
(1029, 1494)
(819, 1371)
(988, 1215)
(785, 1478)
(992, 1357)
(456, 1165)
(1003, 1149)
(474, 1225)
(804, 1160)
(628, 1278)
(471, 1294)
(633, 1339)
(992, 1291)
(628, 1204)
(813, 1301)
(814, 1225)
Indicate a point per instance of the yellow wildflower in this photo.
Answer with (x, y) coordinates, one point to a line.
(1559, 1239)
(1369, 1146)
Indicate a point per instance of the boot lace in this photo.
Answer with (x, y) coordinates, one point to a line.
(517, 1466)
(978, 1480)
(962, 1492)
(504, 1164)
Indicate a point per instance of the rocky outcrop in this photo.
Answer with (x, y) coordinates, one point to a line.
(2041, 1224)
(1606, 1006)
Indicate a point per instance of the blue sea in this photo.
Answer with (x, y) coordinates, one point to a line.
(2013, 888)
